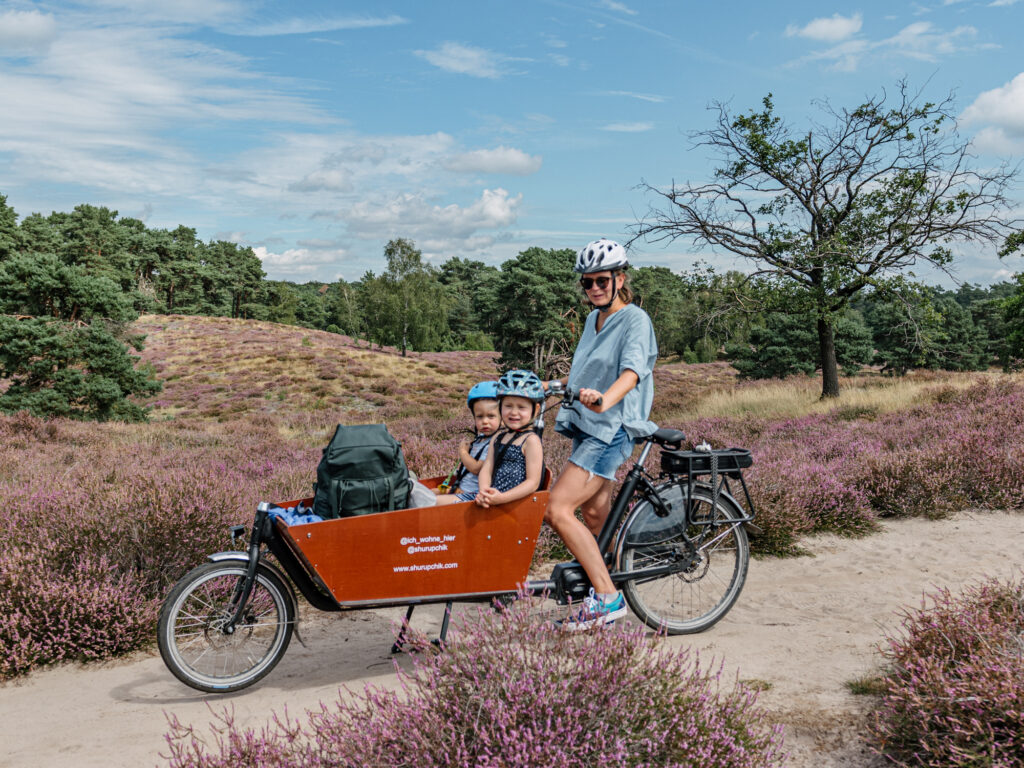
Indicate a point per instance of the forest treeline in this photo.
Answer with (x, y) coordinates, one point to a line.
(71, 283)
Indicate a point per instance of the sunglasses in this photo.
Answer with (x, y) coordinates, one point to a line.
(588, 282)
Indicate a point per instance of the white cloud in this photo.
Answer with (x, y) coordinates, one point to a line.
(302, 263)
(324, 180)
(1003, 106)
(829, 30)
(611, 5)
(318, 167)
(26, 32)
(307, 26)
(411, 215)
(465, 60)
(100, 105)
(500, 160)
(1000, 113)
(1002, 3)
(921, 40)
(628, 127)
(651, 97)
(192, 12)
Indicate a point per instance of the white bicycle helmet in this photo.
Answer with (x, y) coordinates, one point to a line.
(521, 383)
(600, 256)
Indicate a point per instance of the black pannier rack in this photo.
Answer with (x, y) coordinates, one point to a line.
(725, 463)
(730, 462)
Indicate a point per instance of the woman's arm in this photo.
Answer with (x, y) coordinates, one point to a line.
(618, 390)
(533, 452)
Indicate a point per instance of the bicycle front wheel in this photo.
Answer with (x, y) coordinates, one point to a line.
(191, 632)
(696, 591)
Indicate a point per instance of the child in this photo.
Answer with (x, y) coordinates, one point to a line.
(483, 404)
(515, 461)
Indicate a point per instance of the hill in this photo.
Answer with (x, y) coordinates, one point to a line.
(222, 368)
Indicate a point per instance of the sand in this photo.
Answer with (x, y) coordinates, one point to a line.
(803, 626)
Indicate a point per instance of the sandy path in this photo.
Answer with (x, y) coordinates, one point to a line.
(806, 626)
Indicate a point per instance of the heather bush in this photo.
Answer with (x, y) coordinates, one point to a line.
(953, 692)
(827, 472)
(510, 690)
(86, 610)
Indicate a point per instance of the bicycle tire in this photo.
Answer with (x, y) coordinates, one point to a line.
(189, 634)
(699, 595)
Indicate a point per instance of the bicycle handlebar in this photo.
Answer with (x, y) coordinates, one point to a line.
(568, 395)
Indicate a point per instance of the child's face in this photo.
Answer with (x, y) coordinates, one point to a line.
(516, 412)
(486, 417)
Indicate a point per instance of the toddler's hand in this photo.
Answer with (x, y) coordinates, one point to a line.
(487, 496)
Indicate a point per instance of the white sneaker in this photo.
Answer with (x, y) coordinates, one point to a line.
(595, 613)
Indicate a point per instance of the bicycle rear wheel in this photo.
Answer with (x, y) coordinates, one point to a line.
(191, 635)
(696, 592)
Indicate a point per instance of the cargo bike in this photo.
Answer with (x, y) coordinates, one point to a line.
(676, 544)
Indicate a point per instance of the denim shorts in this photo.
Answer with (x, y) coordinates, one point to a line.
(598, 457)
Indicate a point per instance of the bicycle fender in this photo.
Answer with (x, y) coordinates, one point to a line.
(233, 555)
(243, 557)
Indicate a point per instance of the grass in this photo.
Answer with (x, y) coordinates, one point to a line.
(867, 685)
(865, 395)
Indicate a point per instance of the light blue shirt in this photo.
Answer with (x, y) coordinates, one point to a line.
(626, 342)
(471, 483)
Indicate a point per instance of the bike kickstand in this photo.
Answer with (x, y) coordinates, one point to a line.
(403, 632)
(444, 626)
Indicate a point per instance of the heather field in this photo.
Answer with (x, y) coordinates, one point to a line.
(101, 518)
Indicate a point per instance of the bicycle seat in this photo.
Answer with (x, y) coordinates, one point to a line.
(667, 437)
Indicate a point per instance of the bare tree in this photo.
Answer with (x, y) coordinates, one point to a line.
(851, 203)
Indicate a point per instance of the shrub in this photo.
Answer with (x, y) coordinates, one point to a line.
(510, 691)
(85, 611)
(953, 694)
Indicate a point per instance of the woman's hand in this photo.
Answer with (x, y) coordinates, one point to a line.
(590, 398)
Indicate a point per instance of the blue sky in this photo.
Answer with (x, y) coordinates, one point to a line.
(316, 131)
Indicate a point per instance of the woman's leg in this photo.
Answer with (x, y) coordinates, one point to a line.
(596, 508)
(574, 488)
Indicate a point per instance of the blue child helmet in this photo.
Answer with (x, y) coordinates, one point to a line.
(521, 384)
(484, 390)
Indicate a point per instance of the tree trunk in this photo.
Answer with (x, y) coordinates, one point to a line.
(827, 351)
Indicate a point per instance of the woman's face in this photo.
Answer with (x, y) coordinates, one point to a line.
(516, 412)
(603, 287)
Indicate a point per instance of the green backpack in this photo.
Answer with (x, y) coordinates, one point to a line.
(362, 471)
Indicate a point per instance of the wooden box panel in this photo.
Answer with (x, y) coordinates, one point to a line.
(424, 552)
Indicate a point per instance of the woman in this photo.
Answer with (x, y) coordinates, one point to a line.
(613, 365)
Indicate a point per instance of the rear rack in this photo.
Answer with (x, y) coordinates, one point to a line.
(725, 463)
